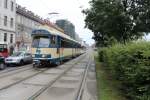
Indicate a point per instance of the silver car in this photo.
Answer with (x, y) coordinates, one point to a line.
(19, 58)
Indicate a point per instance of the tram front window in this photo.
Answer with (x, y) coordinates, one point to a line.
(41, 41)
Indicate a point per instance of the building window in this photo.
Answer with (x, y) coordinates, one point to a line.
(0, 3)
(12, 6)
(5, 37)
(11, 38)
(5, 3)
(0, 19)
(11, 22)
(5, 20)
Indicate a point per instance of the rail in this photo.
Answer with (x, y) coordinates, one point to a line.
(82, 85)
(33, 97)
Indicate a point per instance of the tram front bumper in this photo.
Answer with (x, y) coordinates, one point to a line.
(41, 61)
(36, 63)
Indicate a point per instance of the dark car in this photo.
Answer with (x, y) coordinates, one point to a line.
(2, 63)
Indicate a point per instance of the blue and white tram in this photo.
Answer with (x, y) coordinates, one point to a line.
(49, 47)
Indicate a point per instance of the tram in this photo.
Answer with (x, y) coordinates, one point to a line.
(49, 47)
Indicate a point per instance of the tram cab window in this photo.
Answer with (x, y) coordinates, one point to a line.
(41, 41)
(53, 40)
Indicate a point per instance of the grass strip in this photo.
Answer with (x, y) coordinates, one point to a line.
(107, 86)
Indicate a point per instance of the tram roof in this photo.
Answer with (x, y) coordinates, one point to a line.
(47, 32)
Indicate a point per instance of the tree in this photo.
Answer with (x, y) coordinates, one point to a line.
(122, 20)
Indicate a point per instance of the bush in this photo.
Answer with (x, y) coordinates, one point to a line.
(130, 64)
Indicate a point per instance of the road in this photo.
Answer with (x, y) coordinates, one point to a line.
(73, 80)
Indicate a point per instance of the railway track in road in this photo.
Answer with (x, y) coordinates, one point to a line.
(14, 70)
(33, 97)
(50, 84)
(83, 83)
(17, 82)
(44, 87)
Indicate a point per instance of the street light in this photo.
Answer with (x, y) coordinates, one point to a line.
(52, 13)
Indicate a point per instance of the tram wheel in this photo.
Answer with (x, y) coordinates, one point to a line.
(36, 65)
(58, 63)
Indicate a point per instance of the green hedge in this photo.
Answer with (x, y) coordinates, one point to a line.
(130, 64)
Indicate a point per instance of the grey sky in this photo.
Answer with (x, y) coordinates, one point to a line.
(68, 9)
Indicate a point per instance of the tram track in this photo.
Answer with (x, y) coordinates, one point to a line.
(33, 86)
(38, 93)
(33, 97)
(17, 82)
(69, 81)
(17, 71)
(23, 79)
(14, 71)
(82, 85)
(10, 69)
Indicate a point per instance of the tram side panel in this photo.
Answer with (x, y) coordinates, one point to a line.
(74, 52)
(67, 49)
(67, 53)
(77, 51)
(56, 54)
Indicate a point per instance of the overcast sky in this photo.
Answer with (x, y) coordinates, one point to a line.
(67, 9)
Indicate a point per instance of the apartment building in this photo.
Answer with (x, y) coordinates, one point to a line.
(7, 23)
(26, 22)
(67, 26)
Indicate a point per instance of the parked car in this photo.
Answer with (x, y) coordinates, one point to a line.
(2, 63)
(3, 54)
(19, 58)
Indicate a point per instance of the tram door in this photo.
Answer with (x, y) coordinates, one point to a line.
(61, 49)
(73, 50)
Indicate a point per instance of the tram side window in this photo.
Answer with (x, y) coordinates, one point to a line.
(53, 40)
(66, 44)
(62, 43)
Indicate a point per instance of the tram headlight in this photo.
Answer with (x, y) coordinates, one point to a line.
(33, 55)
(43, 56)
(46, 56)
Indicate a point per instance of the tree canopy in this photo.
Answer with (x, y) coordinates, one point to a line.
(118, 20)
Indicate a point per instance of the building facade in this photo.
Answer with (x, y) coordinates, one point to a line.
(17, 24)
(26, 22)
(77, 38)
(7, 23)
(67, 26)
